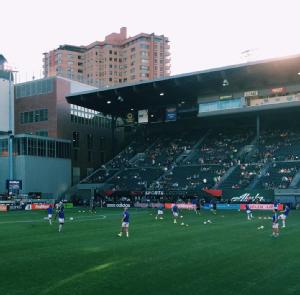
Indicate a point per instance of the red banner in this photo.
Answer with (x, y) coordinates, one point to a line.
(39, 206)
(214, 192)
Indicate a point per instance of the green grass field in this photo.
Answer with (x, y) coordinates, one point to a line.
(229, 256)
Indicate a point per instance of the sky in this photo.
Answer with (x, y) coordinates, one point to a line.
(203, 34)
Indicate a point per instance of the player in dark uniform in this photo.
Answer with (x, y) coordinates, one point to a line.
(275, 224)
(175, 212)
(50, 212)
(284, 215)
(125, 223)
(61, 218)
(249, 212)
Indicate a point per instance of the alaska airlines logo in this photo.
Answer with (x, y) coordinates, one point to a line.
(247, 197)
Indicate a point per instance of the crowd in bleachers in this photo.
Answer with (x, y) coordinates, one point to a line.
(221, 148)
(242, 176)
(195, 160)
(280, 175)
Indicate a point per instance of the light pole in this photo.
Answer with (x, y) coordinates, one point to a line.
(11, 126)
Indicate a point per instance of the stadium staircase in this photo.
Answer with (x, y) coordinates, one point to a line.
(224, 178)
(262, 173)
(296, 180)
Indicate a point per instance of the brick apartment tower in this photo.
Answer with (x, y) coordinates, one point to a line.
(116, 60)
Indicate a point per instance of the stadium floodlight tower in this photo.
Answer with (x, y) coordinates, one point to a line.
(11, 70)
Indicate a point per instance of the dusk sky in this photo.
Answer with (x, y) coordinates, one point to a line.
(203, 33)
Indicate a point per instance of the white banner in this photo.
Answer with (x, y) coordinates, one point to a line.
(143, 116)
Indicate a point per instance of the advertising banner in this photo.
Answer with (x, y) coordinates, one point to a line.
(130, 118)
(3, 208)
(14, 184)
(36, 206)
(228, 206)
(251, 93)
(68, 205)
(143, 116)
(147, 205)
(261, 206)
(244, 196)
(181, 206)
(118, 205)
(171, 114)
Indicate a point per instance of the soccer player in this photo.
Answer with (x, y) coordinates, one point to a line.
(61, 218)
(275, 225)
(160, 212)
(125, 223)
(198, 207)
(213, 206)
(92, 205)
(175, 212)
(284, 215)
(50, 212)
(249, 212)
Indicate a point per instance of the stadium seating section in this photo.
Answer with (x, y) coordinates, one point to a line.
(205, 159)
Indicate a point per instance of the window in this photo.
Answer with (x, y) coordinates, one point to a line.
(89, 156)
(34, 88)
(42, 133)
(90, 141)
(75, 139)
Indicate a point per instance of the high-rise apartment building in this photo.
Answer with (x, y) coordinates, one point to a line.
(116, 60)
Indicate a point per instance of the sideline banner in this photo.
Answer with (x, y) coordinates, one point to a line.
(3, 208)
(180, 206)
(39, 206)
(262, 206)
(228, 206)
(68, 205)
(147, 205)
(117, 205)
(244, 196)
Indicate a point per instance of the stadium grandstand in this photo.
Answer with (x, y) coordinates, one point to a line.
(231, 130)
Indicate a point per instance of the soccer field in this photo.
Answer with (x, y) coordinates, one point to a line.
(228, 256)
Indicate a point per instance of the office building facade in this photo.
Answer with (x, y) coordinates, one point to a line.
(116, 60)
(42, 110)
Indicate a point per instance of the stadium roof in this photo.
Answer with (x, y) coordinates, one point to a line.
(189, 87)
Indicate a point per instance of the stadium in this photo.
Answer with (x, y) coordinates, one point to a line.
(216, 141)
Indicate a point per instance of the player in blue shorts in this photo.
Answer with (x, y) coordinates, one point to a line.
(249, 212)
(284, 214)
(175, 212)
(275, 224)
(125, 223)
(160, 212)
(50, 213)
(61, 218)
(213, 206)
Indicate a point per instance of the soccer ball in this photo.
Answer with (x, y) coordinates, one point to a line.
(181, 216)
(262, 227)
(182, 223)
(71, 218)
(204, 222)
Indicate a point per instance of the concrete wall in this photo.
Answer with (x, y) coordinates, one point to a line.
(50, 176)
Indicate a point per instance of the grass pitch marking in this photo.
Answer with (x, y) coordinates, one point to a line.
(76, 219)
